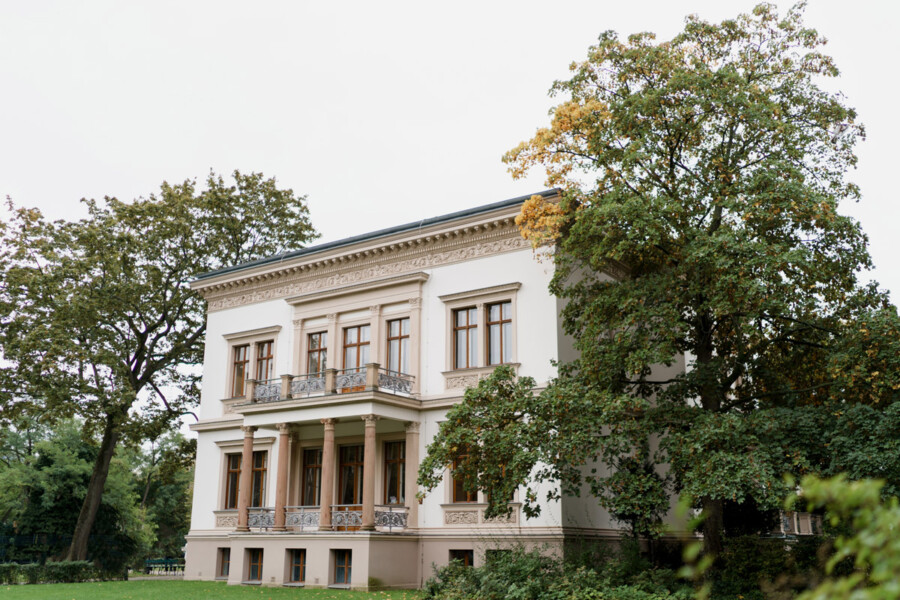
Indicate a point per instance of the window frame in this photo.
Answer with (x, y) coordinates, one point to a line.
(244, 361)
(293, 563)
(457, 485)
(401, 461)
(399, 338)
(261, 359)
(479, 298)
(250, 338)
(317, 468)
(455, 328)
(224, 563)
(251, 554)
(321, 351)
(347, 566)
(258, 485)
(358, 345)
(465, 556)
(489, 325)
(236, 479)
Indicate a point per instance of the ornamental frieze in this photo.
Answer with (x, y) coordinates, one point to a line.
(291, 284)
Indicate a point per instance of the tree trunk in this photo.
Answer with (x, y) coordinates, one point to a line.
(712, 526)
(79, 547)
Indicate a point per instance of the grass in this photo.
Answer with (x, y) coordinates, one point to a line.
(185, 590)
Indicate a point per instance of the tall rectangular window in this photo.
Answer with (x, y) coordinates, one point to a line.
(312, 476)
(343, 563)
(265, 363)
(398, 345)
(465, 338)
(239, 370)
(460, 493)
(298, 566)
(224, 563)
(317, 352)
(499, 332)
(394, 472)
(255, 564)
(351, 475)
(356, 347)
(258, 478)
(232, 479)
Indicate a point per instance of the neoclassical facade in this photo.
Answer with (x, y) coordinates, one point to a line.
(326, 373)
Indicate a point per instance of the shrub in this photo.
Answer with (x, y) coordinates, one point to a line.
(9, 573)
(74, 571)
(520, 575)
(32, 573)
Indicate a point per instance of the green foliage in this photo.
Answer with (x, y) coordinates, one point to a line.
(710, 282)
(522, 575)
(98, 317)
(50, 572)
(488, 438)
(873, 547)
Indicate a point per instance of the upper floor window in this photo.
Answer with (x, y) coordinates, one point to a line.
(264, 360)
(317, 352)
(356, 346)
(398, 345)
(239, 369)
(465, 338)
(499, 333)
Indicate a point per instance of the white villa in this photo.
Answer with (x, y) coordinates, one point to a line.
(329, 369)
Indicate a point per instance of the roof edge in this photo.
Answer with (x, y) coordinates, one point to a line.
(485, 208)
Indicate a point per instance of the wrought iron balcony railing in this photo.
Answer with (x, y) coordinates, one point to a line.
(391, 516)
(303, 518)
(331, 381)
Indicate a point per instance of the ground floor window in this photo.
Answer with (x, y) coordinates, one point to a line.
(343, 561)
(298, 566)
(254, 566)
(466, 557)
(224, 562)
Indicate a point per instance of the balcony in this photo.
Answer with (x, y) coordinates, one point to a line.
(371, 377)
(389, 518)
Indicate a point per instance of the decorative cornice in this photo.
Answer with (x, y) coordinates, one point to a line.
(354, 267)
(494, 289)
(252, 332)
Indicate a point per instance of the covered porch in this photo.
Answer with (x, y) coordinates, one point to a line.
(343, 473)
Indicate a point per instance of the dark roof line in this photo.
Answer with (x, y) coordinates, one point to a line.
(375, 234)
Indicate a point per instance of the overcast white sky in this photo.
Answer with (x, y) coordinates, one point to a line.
(381, 112)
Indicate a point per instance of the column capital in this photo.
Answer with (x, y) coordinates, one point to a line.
(415, 302)
(248, 430)
(332, 317)
(375, 309)
(412, 426)
(370, 420)
(284, 428)
(329, 423)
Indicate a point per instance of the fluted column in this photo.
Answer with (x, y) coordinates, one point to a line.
(246, 481)
(284, 458)
(412, 471)
(327, 492)
(368, 511)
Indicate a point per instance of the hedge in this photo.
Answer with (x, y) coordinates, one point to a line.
(51, 572)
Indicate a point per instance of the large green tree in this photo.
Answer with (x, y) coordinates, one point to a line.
(96, 316)
(701, 179)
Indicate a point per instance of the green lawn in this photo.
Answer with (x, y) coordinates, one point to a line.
(183, 590)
